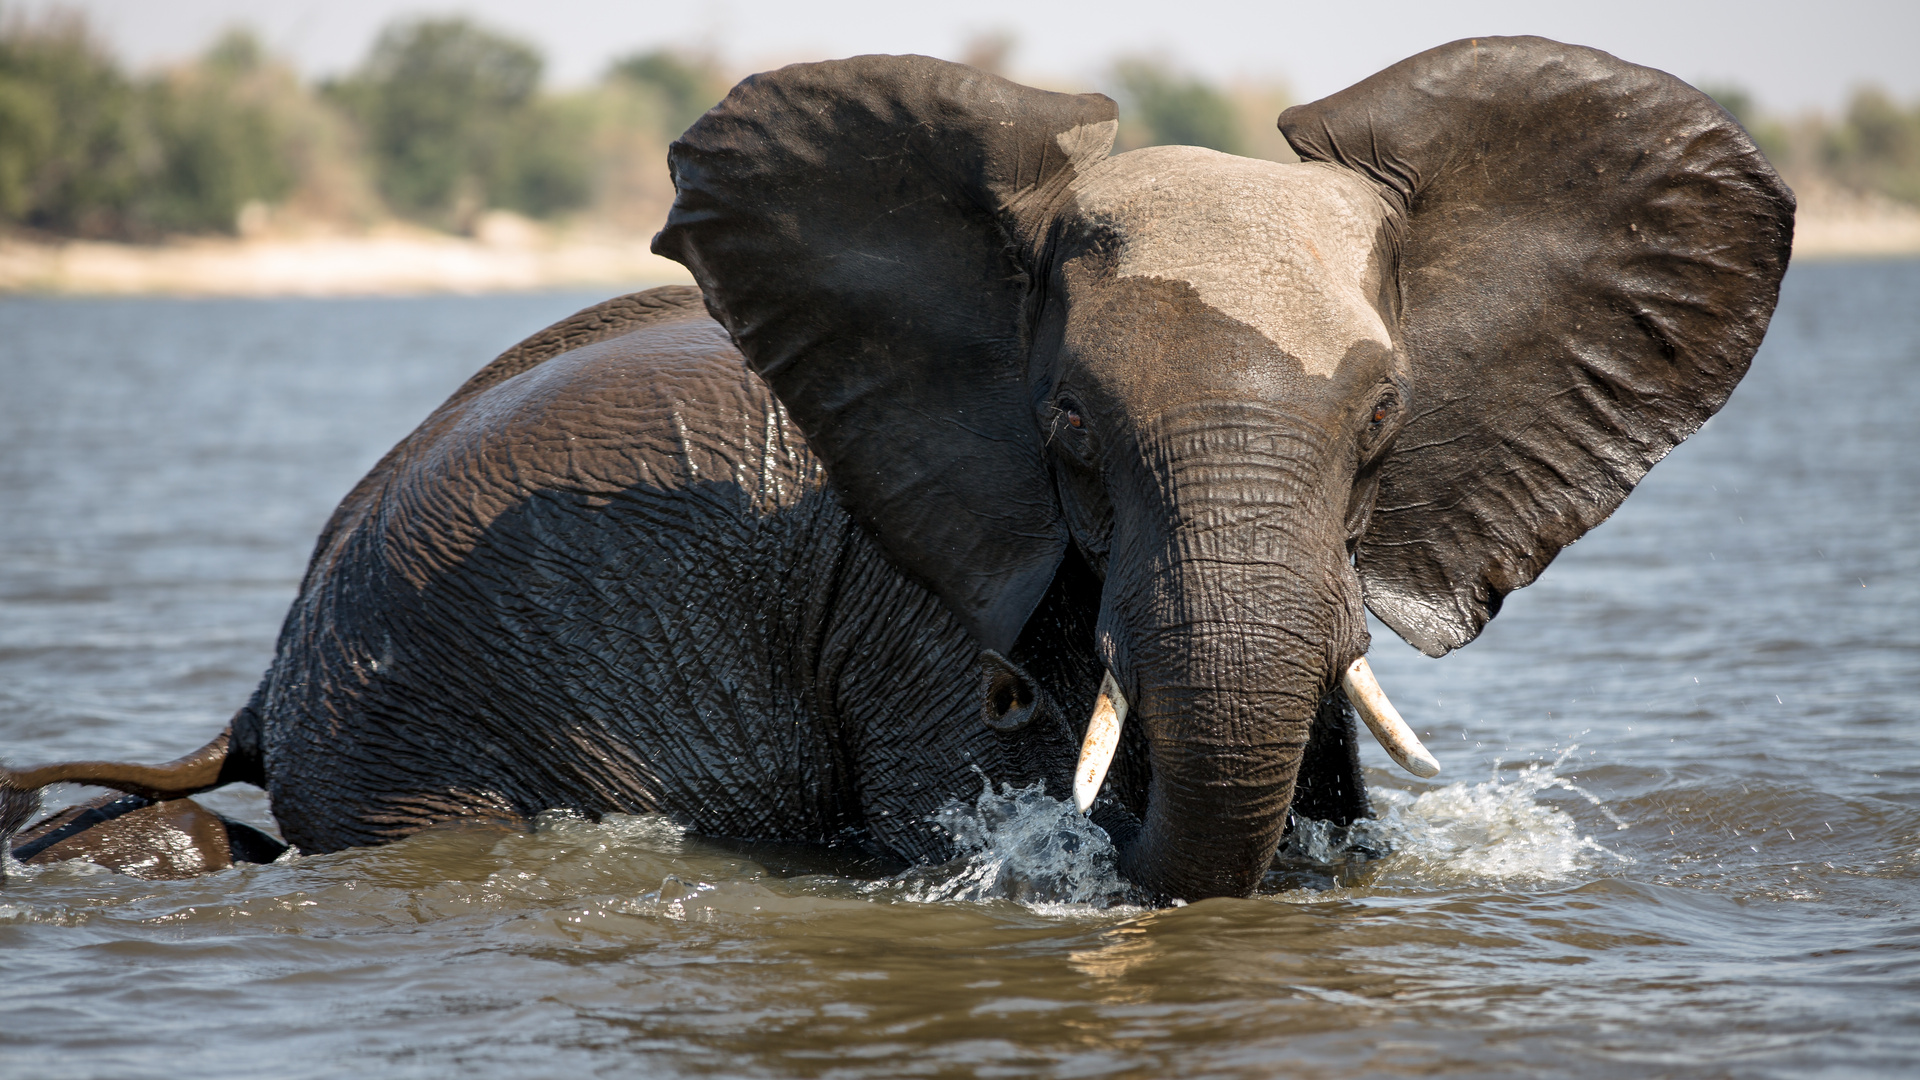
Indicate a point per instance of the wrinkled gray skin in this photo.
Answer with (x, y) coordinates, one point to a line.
(966, 410)
(616, 581)
(1211, 490)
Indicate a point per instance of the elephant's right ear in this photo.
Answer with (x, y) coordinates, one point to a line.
(1589, 253)
(864, 228)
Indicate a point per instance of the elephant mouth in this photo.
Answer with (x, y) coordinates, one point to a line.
(1357, 681)
(1362, 689)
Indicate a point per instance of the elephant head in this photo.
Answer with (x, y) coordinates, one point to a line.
(1508, 276)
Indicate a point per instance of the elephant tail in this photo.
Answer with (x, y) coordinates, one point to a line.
(211, 766)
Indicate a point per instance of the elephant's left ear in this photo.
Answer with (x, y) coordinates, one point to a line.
(1589, 254)
(864, 229)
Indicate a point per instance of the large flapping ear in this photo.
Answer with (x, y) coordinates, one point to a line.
(1589, 254)
(863, 229)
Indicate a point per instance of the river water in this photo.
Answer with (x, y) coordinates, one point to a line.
(1678, 833)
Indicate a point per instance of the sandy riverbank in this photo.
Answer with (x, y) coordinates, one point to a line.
(396, 260)
(1837, 224)
(510, 254)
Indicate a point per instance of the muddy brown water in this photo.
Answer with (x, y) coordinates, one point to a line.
(1678, 833)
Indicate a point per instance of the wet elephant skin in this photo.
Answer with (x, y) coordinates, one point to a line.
(156, 841)
(1508, 276)
(968, 411)
(615, 581)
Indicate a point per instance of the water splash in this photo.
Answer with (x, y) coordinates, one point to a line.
(17, 807)
(649, 832)
(1022, 845)
(1495, 830)
(1323, 842)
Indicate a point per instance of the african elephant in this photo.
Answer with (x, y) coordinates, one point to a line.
(973, 429)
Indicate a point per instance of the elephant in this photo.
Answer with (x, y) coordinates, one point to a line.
(982, 451)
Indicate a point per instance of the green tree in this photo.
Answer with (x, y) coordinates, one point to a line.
(28, 122)
(544, 166)
(684, 86)
(1735, 99)
(1877, 145)
(1160, 107)
(452, 119)
(86, 151)
(1772, 138)
(223, 139)
(72, 149)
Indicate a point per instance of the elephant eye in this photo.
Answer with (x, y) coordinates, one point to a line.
(1384, 408)
(1375, 434)
(1070, 432)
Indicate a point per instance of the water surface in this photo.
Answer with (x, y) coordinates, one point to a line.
(1678, 833)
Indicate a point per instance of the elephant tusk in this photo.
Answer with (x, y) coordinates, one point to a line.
(1103, 738)
(1396, 738)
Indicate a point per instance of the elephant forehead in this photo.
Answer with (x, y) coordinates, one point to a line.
(1287, 250)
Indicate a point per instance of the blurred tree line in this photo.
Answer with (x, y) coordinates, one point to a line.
(1160, 105)
(446, 119)
(1874, 146)
(87, 150)
(443, 120)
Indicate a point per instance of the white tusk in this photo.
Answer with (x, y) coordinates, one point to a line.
(1396, 738)
(1103, 738)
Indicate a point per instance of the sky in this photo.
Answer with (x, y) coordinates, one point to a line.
(1792, 55)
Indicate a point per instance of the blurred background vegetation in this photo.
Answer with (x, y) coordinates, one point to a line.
(446, 120)
(442, 121)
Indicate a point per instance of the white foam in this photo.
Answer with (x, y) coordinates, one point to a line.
(652, 832)
(1022, 845)
(1496, 830)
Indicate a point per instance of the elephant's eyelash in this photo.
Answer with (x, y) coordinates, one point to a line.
(1384, 407)
(1067, 412)
(1374, 436)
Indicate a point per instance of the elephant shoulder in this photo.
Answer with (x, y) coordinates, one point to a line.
(654, 408)
(618, 317)
(665, 403)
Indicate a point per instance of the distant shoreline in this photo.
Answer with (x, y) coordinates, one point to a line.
(1837, 224)
(393, 262)
(403, 261)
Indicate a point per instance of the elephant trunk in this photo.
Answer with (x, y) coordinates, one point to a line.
(1226, 721)
(1228, 615)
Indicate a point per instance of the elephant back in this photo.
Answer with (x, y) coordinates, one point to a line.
(514, 609)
